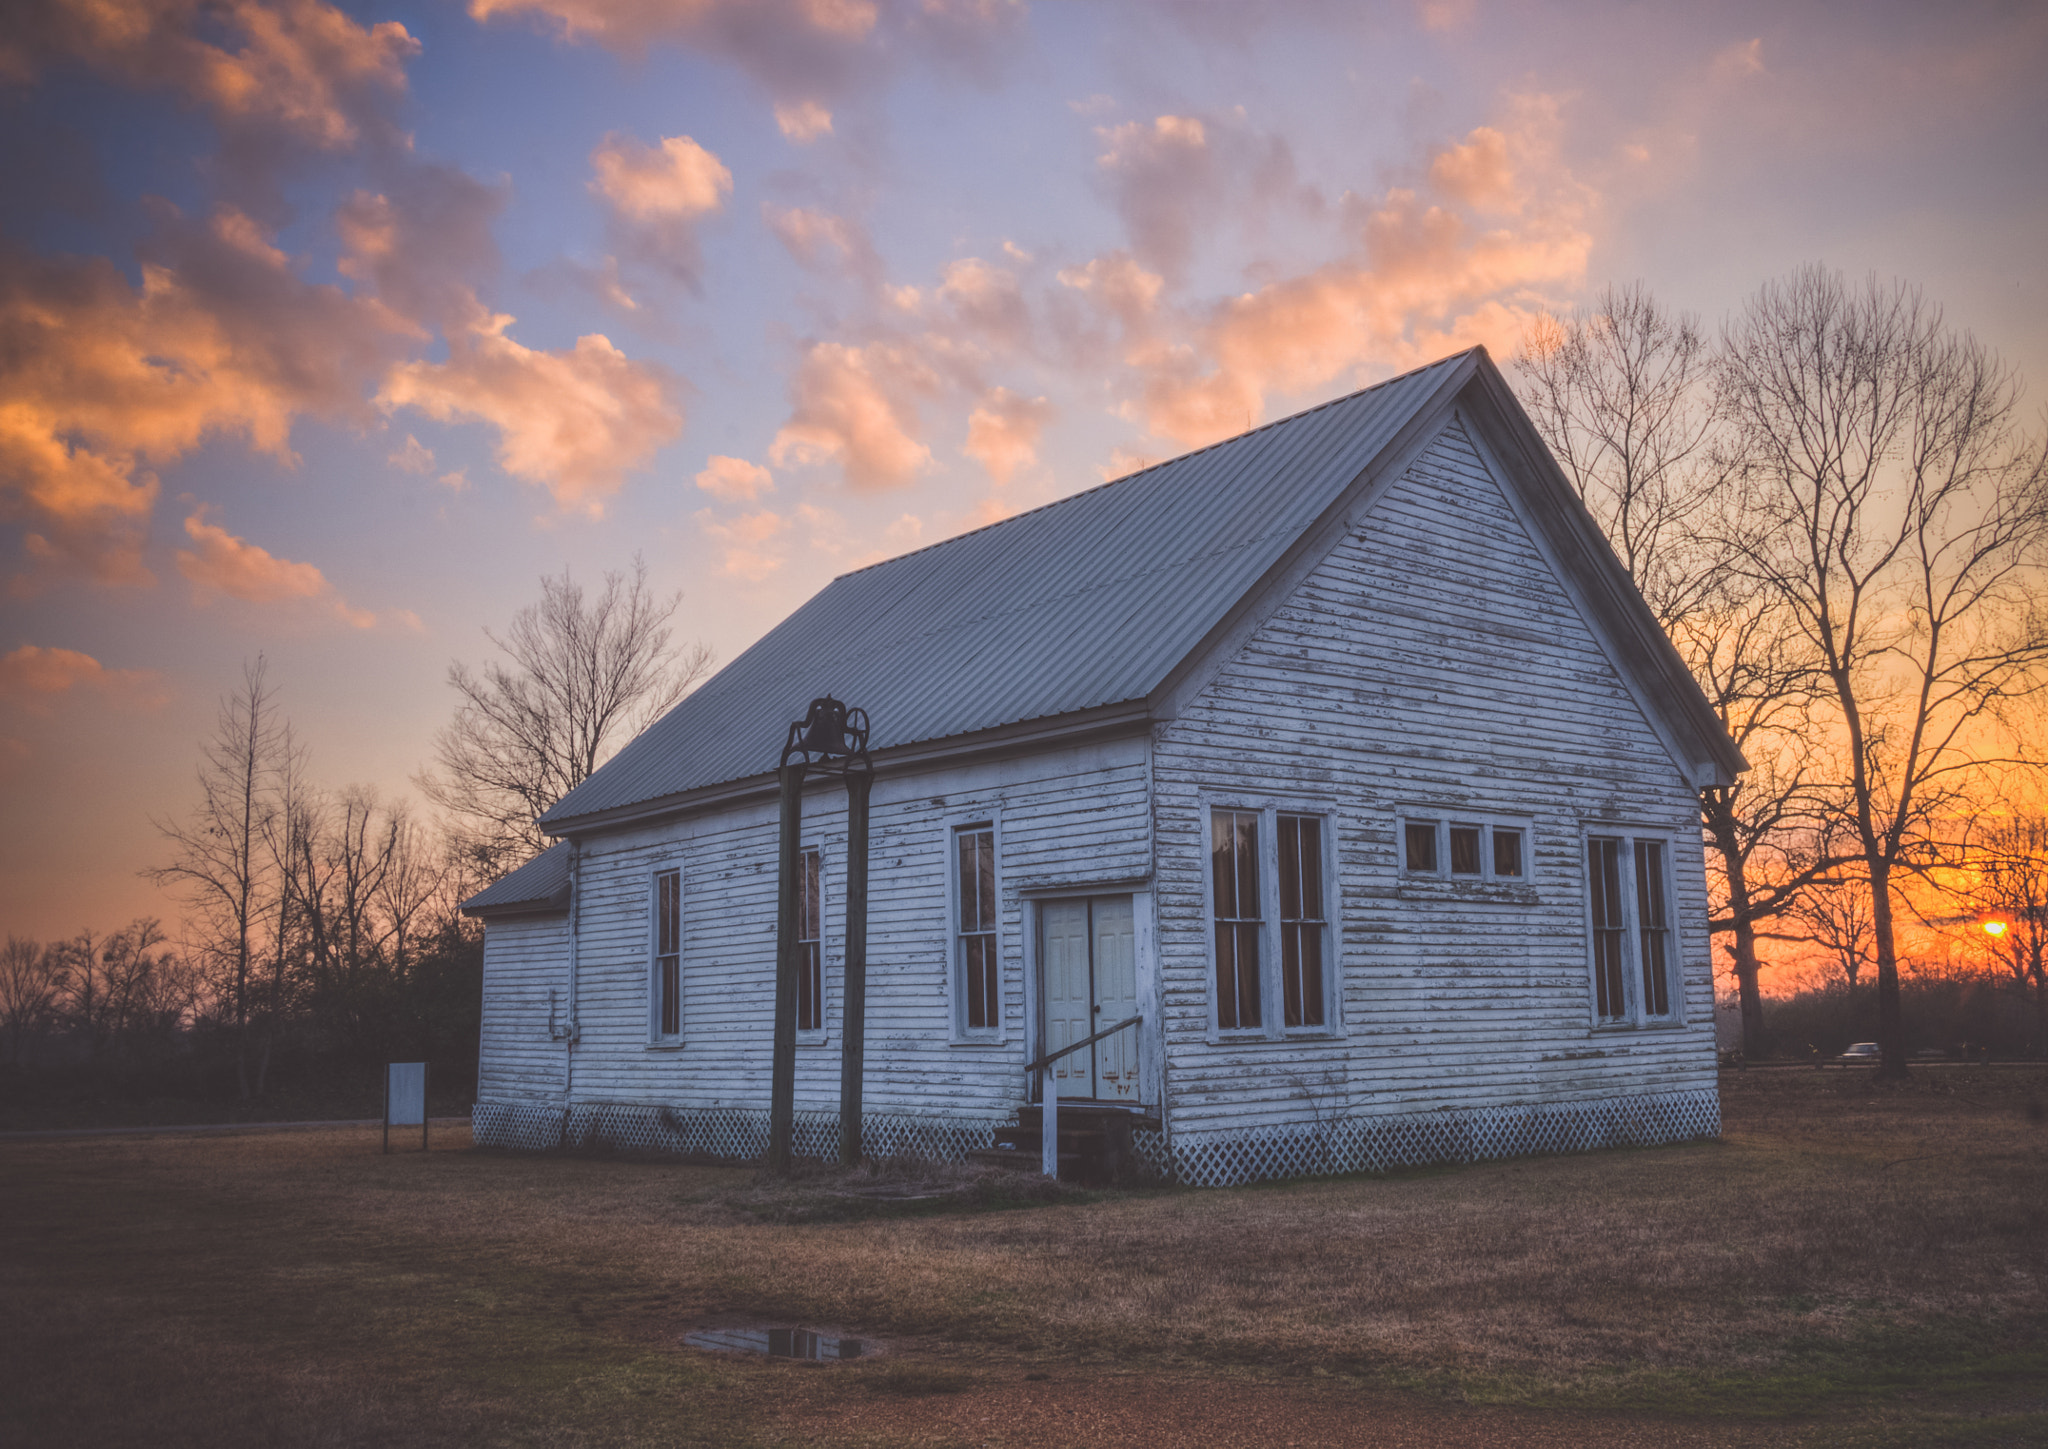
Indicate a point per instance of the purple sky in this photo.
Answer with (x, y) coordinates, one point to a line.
(325, 331)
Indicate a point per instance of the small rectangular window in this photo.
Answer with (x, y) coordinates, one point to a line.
(1654, 929)
(1234, 866)
(668, 953)
(1610, 929)
(1302, 922)
(1464, 850)
(810, 934)
(1421, 843)
(1507, 852)
(980, 976)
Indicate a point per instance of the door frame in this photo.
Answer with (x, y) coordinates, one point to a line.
(1144, 938)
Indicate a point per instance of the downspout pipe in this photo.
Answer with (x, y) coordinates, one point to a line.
(575, 1024)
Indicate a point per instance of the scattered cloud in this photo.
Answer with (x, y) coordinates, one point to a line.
(858, 406)
(456, 481)
(221, 563)
(301, 67)
(1003, 432)
(748, 543)
(675, 180)
(423, 240)
(105, 380)
(734, 479)
(34, 678)
(658, 195)
(803, 121)
(575, 421)
(1420, 275)
(414, 457)
(825, 243)
(1444, 14)
(1740, 61)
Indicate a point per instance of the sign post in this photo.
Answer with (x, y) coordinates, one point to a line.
(405, 1099)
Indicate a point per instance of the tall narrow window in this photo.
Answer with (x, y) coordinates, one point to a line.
(980, 993)
(1654, 928)
(668, 954)
(1507, 853)
(1464, 850)
(1610, 928)
(1234, 861)
(810, 940)
(1301, 919)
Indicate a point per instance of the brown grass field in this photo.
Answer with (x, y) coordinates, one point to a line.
(1850, 1264)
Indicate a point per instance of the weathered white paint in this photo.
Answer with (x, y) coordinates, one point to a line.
(1430, 662)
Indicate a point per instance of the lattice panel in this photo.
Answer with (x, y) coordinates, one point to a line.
(1375, 1144)
(1347, 1144)
(731, 1133)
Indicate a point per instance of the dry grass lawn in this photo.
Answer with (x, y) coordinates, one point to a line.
(1850, 1264)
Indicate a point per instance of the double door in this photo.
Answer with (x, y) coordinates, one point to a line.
(1088, 948)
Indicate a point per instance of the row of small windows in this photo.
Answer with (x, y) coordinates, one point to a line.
(1480, 851)
(1259, 860)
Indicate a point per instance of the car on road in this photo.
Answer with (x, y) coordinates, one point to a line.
(1862, 1051)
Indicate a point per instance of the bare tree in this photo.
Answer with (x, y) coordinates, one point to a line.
(219, 865)
(1624, 396)
(30, 977)
(2004, 890)
(1902, 520)
(578, 678)
(1835, 916)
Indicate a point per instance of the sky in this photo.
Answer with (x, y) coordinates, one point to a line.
(327, 330)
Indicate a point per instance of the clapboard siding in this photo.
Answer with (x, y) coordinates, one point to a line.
(1072, 815)
(525, 957)
(1431, 660)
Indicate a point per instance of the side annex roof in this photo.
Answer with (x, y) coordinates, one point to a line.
(1100, 600)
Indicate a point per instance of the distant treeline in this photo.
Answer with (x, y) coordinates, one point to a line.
(1957, 1012)
(125, 1016)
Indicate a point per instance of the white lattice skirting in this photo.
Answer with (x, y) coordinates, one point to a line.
(1196, 1159)
(734, 1133)
(1374, 1144)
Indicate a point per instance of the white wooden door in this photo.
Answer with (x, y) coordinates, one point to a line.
(1116, 997)
(1068, 996)
(1091, 981)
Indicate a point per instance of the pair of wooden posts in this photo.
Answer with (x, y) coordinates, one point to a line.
(830, 737)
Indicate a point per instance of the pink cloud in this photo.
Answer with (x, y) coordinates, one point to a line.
(858, 406)
(658, 195)
(300, 67)
(221, 563)
(1003, 432)
(222, 338)
(35, 677)
(748, 543)
(734, 479)
(1420, 276)
(574, 421)
(803, 121)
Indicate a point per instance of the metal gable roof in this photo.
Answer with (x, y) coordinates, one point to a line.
(1086, 602)
(541, 884)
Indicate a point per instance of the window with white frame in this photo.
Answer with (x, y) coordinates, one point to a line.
(1628, 890)
(977, 971)
(810, 940)
(1252, 853)
(665, 976)
(1463, 850)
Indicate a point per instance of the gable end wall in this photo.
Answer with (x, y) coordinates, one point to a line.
(1432, 659)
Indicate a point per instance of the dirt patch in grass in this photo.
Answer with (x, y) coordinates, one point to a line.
(1850, 1264)
(891, 1188)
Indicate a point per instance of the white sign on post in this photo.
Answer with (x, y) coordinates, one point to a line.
(405, 1099)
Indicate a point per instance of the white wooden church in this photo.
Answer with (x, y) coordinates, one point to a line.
(1342, 754)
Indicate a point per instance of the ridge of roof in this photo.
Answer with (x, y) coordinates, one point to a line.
(1122, 478)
